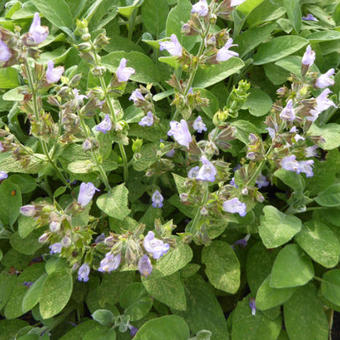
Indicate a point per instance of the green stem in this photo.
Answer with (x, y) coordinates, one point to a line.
(198, 215)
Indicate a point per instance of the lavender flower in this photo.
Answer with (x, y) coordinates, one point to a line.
(78, 98)
(28, 284)
(105, 125)
(306, 167)
(322, 103)
(55, 226)
(5, 53)
(173, 46)
(147, 120)
(157, 199)
(56, 248)
(155, 246)
(109, 263)
(37, 34)
(309, 17)
(271, 132)
(207, 171)
(199, 125)
(201, 8)
(100, 238)
(252, 306)
(261, 181)
(123, 73)
(290, 163)
(171, 153)
(53, 74)
(234, 205)
(310, 151)
(193, 172)
(325, 79)
(28, 210)
(83, 272)
(243, 242)
(236, 2)
(232, 182)
(309, 57)
(3, 175)
(224, 54)
(133, 330)
(86, 192)
(180, 132)
(145, 266)
(136, 96)
(288, 113)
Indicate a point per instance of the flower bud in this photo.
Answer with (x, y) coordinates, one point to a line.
(43, 238)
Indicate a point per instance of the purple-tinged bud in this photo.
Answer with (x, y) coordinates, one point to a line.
(261, 181)
(5, 53)
(204, 211)
(124, 73)
(109, 263)
(87, 144)
(3, 175)
(309, 17)
(66, 242)
(171, 153)
(147, 120)
(155, 246)
(173, 46)
(244, 191)
(86, 192)
(207, 171)
(100, 238)
(252, 138)
(136, 96)
(180, 132)
(105, 125)
(133, 330)
(193, 172)
(232, 182)
(234, 205)
(28, 210)
(28, 284)
(183, 197)
(55, 248)
(201, 8)
(53, 74)
(157, 199)
(251, 155)
(78, 98)
(288, 113)
(243, 242)
(43, 238)
(309, 57)
(325, 79)
(83, 272)
(271, 132)
(310, 151)
(145, 266)
(55, 226)
(224, 54)
(199, 125)
(236, 2)
(252, 306)
(37, 34)
(1, 147)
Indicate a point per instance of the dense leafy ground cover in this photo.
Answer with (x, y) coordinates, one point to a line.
(169, 170)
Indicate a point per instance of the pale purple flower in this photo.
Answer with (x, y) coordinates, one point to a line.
(55, 226)
(180, 132)
(288, 113)
(155, 246)
(224, 54)
(37, 34)
(252, 306)
(306, 167)
(53, 74)
(86, 192)
(193, 172)
(66, 242)
(199, 125)
(147, 120)
(78, 98)
(5, 53)
(236, 2)
(136, 96)
(133, 330)
(100, 238)
(145, 266)
(310, 151)
(207, 171)
(1, 147)
(325, 79)
(28, 284)
(201, 8)
(3, 175)
(171, 153)
(243, 242)
(105, 125)
(271, 132)
(309, 17)
(87, 144)
(83, 272)
(309, 57)
(28, 210)
(109, 263)
(290, 163)
(322, 103)
(123, 73)
(55, 248)
(261, 181)
(173, 46)
(157, 199)
(234, 205)
(232, 182)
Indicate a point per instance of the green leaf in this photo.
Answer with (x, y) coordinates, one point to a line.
(304, 315)
(248, 6)
(115, 203)
(26, 183)
(290, 178)
(9, 328)
(268, 297)
(213, 105)
(55, 293)
(203, 310)
(243, 129)
(291, 268)
(154, 21)
(320, 243)
(294, 13)
(246, 326)
(9, 164)
(80, 330)
(329, 132)
(213, 74)
(168, 290)
(166, 327)
(103, 316)
(222, 266)
(330, 286)
(324, 36)
(9, 78)
(28, 245)
(277, 228)
(278, 48)
(258, 102)
(33, 294)
(127, 11)
(7, 282)
(25, 225)
(103, 333)
(329, 197)
(136, 302)
(292, 64)
(9, 204)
